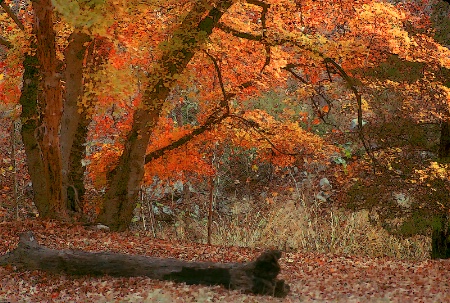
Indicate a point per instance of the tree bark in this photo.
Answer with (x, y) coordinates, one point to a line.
(74, 123)
(30, 119)
(444, 144)
(50, 104)
(124, 183)
(440, 239)
(258, 277)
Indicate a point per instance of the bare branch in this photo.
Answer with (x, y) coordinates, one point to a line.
(248, 36)
(290, 68)
(224, 102)
(239, 34)
(352, 85)
(12, 15)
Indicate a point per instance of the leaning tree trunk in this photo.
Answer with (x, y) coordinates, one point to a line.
(124, 184)
(50, 105)
(258, 277)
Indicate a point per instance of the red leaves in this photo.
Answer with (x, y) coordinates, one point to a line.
(313, 276)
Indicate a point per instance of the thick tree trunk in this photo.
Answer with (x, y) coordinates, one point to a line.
(120, 199)
(258, 277)
(30, 119)
(74, 123)
(444, 144)
(50, 104)
(440, 239)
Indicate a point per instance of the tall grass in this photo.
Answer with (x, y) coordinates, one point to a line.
(299, 223)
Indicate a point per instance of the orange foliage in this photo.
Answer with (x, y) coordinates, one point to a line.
(356, 34)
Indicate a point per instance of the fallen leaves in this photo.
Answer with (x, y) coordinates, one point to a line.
(313, 277)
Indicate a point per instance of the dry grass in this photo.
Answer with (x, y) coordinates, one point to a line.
(299, 224)
(309, 229)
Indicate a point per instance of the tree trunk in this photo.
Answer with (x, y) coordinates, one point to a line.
(50, 103)
(444, 144)
(440, 239)
(258, 277)
(74, 123)
(30, 118)
(124, 183)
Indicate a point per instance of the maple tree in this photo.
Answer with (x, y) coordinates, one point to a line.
(124, 70)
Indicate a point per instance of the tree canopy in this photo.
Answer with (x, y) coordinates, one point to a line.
(114, 94)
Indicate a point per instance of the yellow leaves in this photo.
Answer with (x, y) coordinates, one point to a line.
(435, 171)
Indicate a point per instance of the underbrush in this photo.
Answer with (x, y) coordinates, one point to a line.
(299, 224)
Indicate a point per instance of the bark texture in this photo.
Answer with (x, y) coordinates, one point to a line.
(30, 119)
(74, 123)
(50, 105)
(124, 184)
(76, 118)
(258, 276)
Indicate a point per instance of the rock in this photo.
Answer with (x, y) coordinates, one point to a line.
(321, 196)
(402, 200)
(354, 124)
(325, 184)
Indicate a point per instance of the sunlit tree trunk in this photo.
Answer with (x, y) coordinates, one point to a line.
(45, 170)
(125, 180)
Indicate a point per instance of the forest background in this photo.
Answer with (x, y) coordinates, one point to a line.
(303, 125)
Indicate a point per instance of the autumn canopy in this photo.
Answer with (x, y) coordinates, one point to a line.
(113, 96)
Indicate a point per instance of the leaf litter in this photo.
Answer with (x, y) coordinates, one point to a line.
(313, 277)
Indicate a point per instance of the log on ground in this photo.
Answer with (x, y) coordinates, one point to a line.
(257, 277)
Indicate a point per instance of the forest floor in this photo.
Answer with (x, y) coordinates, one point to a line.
(312, 277)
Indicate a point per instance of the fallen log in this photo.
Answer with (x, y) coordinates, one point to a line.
(257, 277)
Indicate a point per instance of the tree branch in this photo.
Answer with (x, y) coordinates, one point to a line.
(290, 68)
(11, 14)
(224, 102)
(212, 120)
(239, 34)
(256, 127)
(262, 4)
(352, 85)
